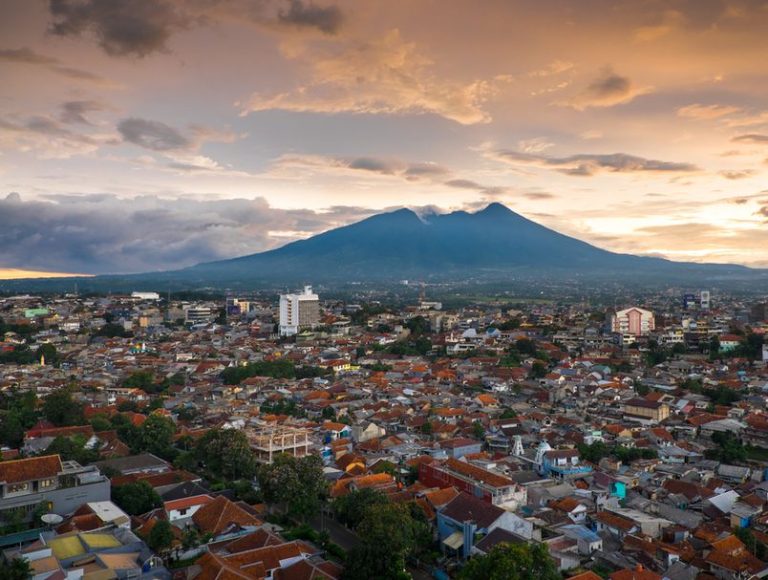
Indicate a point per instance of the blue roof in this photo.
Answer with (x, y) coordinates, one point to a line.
(582, 533)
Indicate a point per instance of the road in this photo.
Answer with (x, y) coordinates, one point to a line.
(339, 534)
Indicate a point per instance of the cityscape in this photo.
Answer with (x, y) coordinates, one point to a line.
(383, 290)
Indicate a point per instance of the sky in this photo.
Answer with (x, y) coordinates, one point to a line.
(143, 135)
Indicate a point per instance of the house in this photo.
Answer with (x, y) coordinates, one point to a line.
(645, 412)
(185, 507)
(104, 553)
(460, 446)
(145, 463)
(614, 524)
(334, 431)
(366, 431)
(48, 484)
(559, 463)
(587, 541)
(636, 573)
(225, 518)
(467, 518)
(730, 558)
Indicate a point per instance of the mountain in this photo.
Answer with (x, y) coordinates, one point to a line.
(491, 246)
(492, 243)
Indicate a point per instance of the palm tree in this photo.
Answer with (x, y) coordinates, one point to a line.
(16, 569)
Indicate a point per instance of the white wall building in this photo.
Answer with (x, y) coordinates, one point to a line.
(633, 321)
(299, 311)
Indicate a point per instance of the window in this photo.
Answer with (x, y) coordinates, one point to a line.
(45, 483)
(18, 487)
(183, 512)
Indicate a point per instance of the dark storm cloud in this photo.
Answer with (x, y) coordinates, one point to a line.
(755, 138)
(586, 164)
(76, 111)
(152, 135)
(122, 28)
(102, 233)
(327, 19)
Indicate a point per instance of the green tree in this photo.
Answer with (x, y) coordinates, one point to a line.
(538, 370)
(49, 352)
(351, 509)
(477, 430)
(72, 449)
(296, 483)
(16, 569)
(101, 422)
(512, 562)
(156, 434)
(136, 498)
(160, 536)
(390, 534)
(226, 453)
(62, 410)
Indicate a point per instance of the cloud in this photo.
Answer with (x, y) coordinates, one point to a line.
(754, 138)
(374, 165)
(103, 233)
(27, 56)
(327, 19)
(152, 135)
(381, 76)
(429, 173)
(671, 21)
(76, 111)
(160, 137)
(733, 174)
(706, 112)
(49, 138)
(124, 28)
(607, 90)
(587, 164)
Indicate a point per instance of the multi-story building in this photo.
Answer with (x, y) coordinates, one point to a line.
(299, 311)
(48, 483)
(493, 488)
(645, 411)
(198, 314)
(268, 442)
(633, 321)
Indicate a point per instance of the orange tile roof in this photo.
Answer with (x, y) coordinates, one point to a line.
(220, 514)
(21, 470)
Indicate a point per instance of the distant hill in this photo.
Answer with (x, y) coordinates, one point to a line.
(494, 244)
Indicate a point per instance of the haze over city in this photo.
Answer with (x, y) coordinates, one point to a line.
(140, 136)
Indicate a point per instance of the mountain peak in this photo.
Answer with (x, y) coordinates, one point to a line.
(495, 209)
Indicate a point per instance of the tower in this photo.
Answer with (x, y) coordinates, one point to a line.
(518, 448)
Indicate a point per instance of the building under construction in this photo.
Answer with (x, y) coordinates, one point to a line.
(269, 441)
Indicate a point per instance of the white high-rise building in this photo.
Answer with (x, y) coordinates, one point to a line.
(299, 311)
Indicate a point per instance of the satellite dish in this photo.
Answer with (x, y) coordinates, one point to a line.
(52, 519)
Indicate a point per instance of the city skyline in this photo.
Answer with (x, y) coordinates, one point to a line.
(139, 136)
